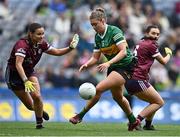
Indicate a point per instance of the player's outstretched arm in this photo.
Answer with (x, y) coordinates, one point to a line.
(62, 51)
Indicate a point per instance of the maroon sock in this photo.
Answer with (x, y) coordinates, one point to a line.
(148, 123)
(140, 118)
(39, 120)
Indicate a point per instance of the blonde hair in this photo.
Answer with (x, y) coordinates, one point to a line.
(98, 13)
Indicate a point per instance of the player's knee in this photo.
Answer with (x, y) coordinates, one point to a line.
(161, 103)
(37, 98)
(98, 90)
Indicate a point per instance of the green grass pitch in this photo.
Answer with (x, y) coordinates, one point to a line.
(82, 129)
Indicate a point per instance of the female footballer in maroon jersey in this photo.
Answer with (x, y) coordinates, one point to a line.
(146, 52)
(20, 74)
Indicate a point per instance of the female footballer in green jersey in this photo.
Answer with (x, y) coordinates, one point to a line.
(110, 41)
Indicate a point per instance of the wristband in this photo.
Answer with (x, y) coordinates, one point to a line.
(25, 79)
(70, 48)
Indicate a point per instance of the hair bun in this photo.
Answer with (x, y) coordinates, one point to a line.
(100, 9)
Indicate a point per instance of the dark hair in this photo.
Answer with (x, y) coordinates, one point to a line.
(33, 26)
(98, 14)
(148, 28)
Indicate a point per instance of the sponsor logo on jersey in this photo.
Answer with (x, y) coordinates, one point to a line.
(21, 50)
(110, 50)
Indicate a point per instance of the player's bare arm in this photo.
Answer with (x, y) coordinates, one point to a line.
(62, 51)
(164, 60)
(58, 52)
(122, 53)
(19, 67)
(92, 61)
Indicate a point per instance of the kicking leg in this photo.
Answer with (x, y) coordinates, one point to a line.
(100, 88)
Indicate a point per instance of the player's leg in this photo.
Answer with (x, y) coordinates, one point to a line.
(152, 96)
(100, 88)
(156, 102)
(37, 101)
(25, 98)
(15, 83)
(123, 102)
(28, 102)
(117, 94)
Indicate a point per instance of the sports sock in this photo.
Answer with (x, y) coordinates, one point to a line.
(131, 118)
(140, 118)
(82, 113)
(148, 123)
(39, 120)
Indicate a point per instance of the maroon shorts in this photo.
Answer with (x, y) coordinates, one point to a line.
(14, 81)
(134, 86)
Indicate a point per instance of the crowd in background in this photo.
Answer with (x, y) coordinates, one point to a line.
(63, 18)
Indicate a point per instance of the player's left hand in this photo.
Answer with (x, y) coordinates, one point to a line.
(168, 51)
(103, 67)
(74, 41)
(29, 86)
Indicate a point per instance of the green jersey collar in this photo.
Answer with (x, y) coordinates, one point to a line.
(102, 36)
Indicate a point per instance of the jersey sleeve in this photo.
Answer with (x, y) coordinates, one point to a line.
(46, 46)
(96, 48)
(20, 49)
(118, 36)
(153, 50)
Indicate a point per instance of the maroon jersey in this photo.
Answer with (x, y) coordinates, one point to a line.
(146, 51)
(31, 54)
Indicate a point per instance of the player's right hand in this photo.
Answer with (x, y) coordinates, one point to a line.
(29, 86)
(104, 66)
(83, 67)
(168, 51)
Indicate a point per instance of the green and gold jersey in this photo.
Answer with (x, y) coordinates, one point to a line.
(107, 44)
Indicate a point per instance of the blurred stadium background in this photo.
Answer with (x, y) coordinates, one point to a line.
(59, 76)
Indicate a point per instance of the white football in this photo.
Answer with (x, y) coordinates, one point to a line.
(87, 91)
